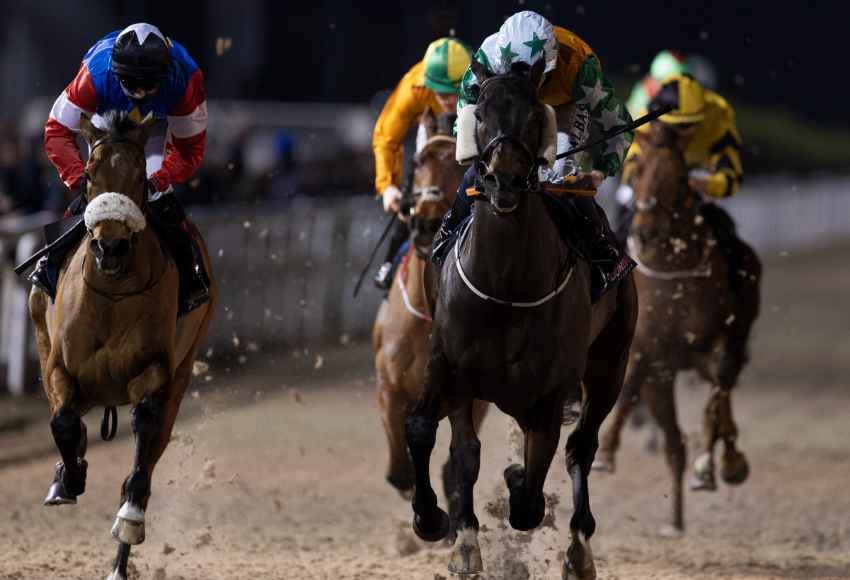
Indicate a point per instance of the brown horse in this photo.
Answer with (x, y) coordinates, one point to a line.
(689, 317)
(514, 325)
(403, 325)
(112, 336)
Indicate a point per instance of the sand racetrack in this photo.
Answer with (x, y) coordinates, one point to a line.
(277, 473)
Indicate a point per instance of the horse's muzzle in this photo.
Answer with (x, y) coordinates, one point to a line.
(502, 196)
(111, 255)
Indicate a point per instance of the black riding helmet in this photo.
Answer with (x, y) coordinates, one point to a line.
(141, 56)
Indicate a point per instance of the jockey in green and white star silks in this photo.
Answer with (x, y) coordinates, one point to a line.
(574, 84)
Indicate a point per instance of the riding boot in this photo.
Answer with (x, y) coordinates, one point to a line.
(386, 271)
(609, 263)
(726, 233)
(45, 274)
(180, 238)
(461, 209)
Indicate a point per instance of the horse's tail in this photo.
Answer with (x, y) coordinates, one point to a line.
(109, 425)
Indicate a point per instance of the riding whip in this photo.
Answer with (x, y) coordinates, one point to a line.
(387, 229)
(619, 130)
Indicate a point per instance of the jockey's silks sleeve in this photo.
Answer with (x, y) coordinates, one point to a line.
(577, 80)
(401, 112)
(723, 145)
(181, 100)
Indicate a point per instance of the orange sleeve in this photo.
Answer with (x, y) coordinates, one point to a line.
(402, 110)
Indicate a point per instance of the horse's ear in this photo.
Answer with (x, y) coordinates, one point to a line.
(89, 131)
(429, 122)
(479, 70)
(536, 73)
(146, 125)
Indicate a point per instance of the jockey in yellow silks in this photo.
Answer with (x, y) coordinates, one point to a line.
(431, 84)
(706, 122)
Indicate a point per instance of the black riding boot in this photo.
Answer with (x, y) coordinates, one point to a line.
(45, 275)
(461, 209)
(174, 229)
(609, 263)
(386, 271)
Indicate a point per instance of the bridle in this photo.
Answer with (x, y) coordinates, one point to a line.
(110, 140)
(431, 193)
(491, 181)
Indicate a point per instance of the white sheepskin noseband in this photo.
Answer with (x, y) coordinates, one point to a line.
(117, 207)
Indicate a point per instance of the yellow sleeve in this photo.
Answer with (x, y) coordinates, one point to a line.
(406, 103)
(724, 160)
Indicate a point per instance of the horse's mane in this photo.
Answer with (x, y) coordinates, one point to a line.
(116, 124)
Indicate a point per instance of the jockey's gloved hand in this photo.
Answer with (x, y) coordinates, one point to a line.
(392, 199)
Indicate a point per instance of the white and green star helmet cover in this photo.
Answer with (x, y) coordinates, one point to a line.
(524, 37)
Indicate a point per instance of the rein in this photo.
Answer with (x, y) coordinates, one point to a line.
(486, 297)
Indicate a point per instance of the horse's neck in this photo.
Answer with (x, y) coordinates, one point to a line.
(148, 263)
(519, 255)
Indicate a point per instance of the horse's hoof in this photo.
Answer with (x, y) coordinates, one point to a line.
(672, 532)
(702, 478)
(579, 563)
(129, 526)
(604, 463)
(734, 468)
(466, 554)
(434, 530)
(525, 513)
(58, 495)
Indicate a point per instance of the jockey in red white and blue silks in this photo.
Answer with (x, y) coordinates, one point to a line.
(137, 71)
(180, 100)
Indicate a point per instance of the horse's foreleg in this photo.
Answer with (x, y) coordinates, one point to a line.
(69, 433)
(525, 482)
(479, 411)
(119, 570)
(430, 522)
(147, 392)
(394, 407)
(466, 460)
(662, 403)
(721, 368)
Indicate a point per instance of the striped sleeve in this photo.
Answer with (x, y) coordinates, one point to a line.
(724, 159)
(60, 143)
(187, 125)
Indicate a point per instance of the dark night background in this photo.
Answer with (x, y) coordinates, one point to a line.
(789, 55)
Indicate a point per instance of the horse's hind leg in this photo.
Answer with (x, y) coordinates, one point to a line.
(429, 522)
(466, 459)
(662, 403)
(637, 373)
(69, 433)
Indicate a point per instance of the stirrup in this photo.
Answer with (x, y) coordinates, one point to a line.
(384, 277)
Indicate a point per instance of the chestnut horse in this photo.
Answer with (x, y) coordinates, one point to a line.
(693, 315)
(403, 325)
(514, 325)
(112, 336)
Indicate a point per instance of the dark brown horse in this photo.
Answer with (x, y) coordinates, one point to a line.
(112, 336)
(514, 325)
(403, 325)
(689, 317)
